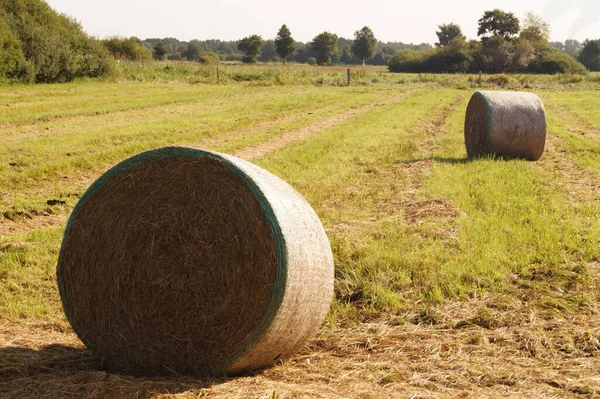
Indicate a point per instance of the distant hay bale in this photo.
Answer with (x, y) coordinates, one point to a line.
(179, 260)
(506, 124)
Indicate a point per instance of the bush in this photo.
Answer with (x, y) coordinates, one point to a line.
(440, 60)
(13, 65)
(233, 57)
(518, 56)
(501, 80)
(406, 61)
(130, 48)
(55, 47)
(247, 77)
(92, 61)
(551, 61)
(449, 60)
(209, 58)
(312, 61)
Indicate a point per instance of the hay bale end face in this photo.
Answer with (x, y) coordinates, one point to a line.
(505, 124)
(180, 260)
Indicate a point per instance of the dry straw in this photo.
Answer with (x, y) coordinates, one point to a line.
(179, 260)
(505, 124)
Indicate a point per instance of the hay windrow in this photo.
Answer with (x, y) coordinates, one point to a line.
(505, 124)
(176, 264)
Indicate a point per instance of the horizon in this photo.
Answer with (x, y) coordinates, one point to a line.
(578, 20)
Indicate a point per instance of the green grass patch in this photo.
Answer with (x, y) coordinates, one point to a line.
(410, 219)
(27, 275)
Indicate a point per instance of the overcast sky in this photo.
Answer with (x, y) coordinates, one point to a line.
(391, 20)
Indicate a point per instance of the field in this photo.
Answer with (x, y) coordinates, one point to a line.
(454, 278)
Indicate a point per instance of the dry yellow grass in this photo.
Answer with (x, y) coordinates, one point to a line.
(489, 347)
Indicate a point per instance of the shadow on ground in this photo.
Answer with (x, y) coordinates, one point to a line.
(452, 161)
(59, 371)
(449, 160)
(464, 161)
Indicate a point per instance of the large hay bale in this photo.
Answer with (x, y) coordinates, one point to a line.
(179, 260)
(505, 124)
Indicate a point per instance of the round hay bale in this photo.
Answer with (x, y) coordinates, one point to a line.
(180, 260)
(505, 124)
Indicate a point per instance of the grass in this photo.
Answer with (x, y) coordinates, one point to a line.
(485, 255)
(28, 287)
(270, 74)
(49, 160)
(409, 221)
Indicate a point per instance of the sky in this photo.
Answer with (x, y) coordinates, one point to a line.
(390, 20)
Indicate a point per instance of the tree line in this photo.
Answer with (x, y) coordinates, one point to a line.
(324, 46)
(303, 52)
(506, 45)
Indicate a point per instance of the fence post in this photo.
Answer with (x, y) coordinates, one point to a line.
(479, 80)
(348, 76)
(218, 77)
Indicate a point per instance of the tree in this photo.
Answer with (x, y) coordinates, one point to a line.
(522, 54)
(303, 52)
(557, 45)
(193, 51)
(508, 55)
(535, 30)
(590, 55)
(498, 23)
(250, 45)
(284, 43)
(268, 52)
(447, 33)
(325, 45)
(498, 50)
(383, 55)
(345, 54)
(364, 44)
(159, 51)
(572, 47)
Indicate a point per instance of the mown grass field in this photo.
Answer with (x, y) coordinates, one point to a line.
(454, 278)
